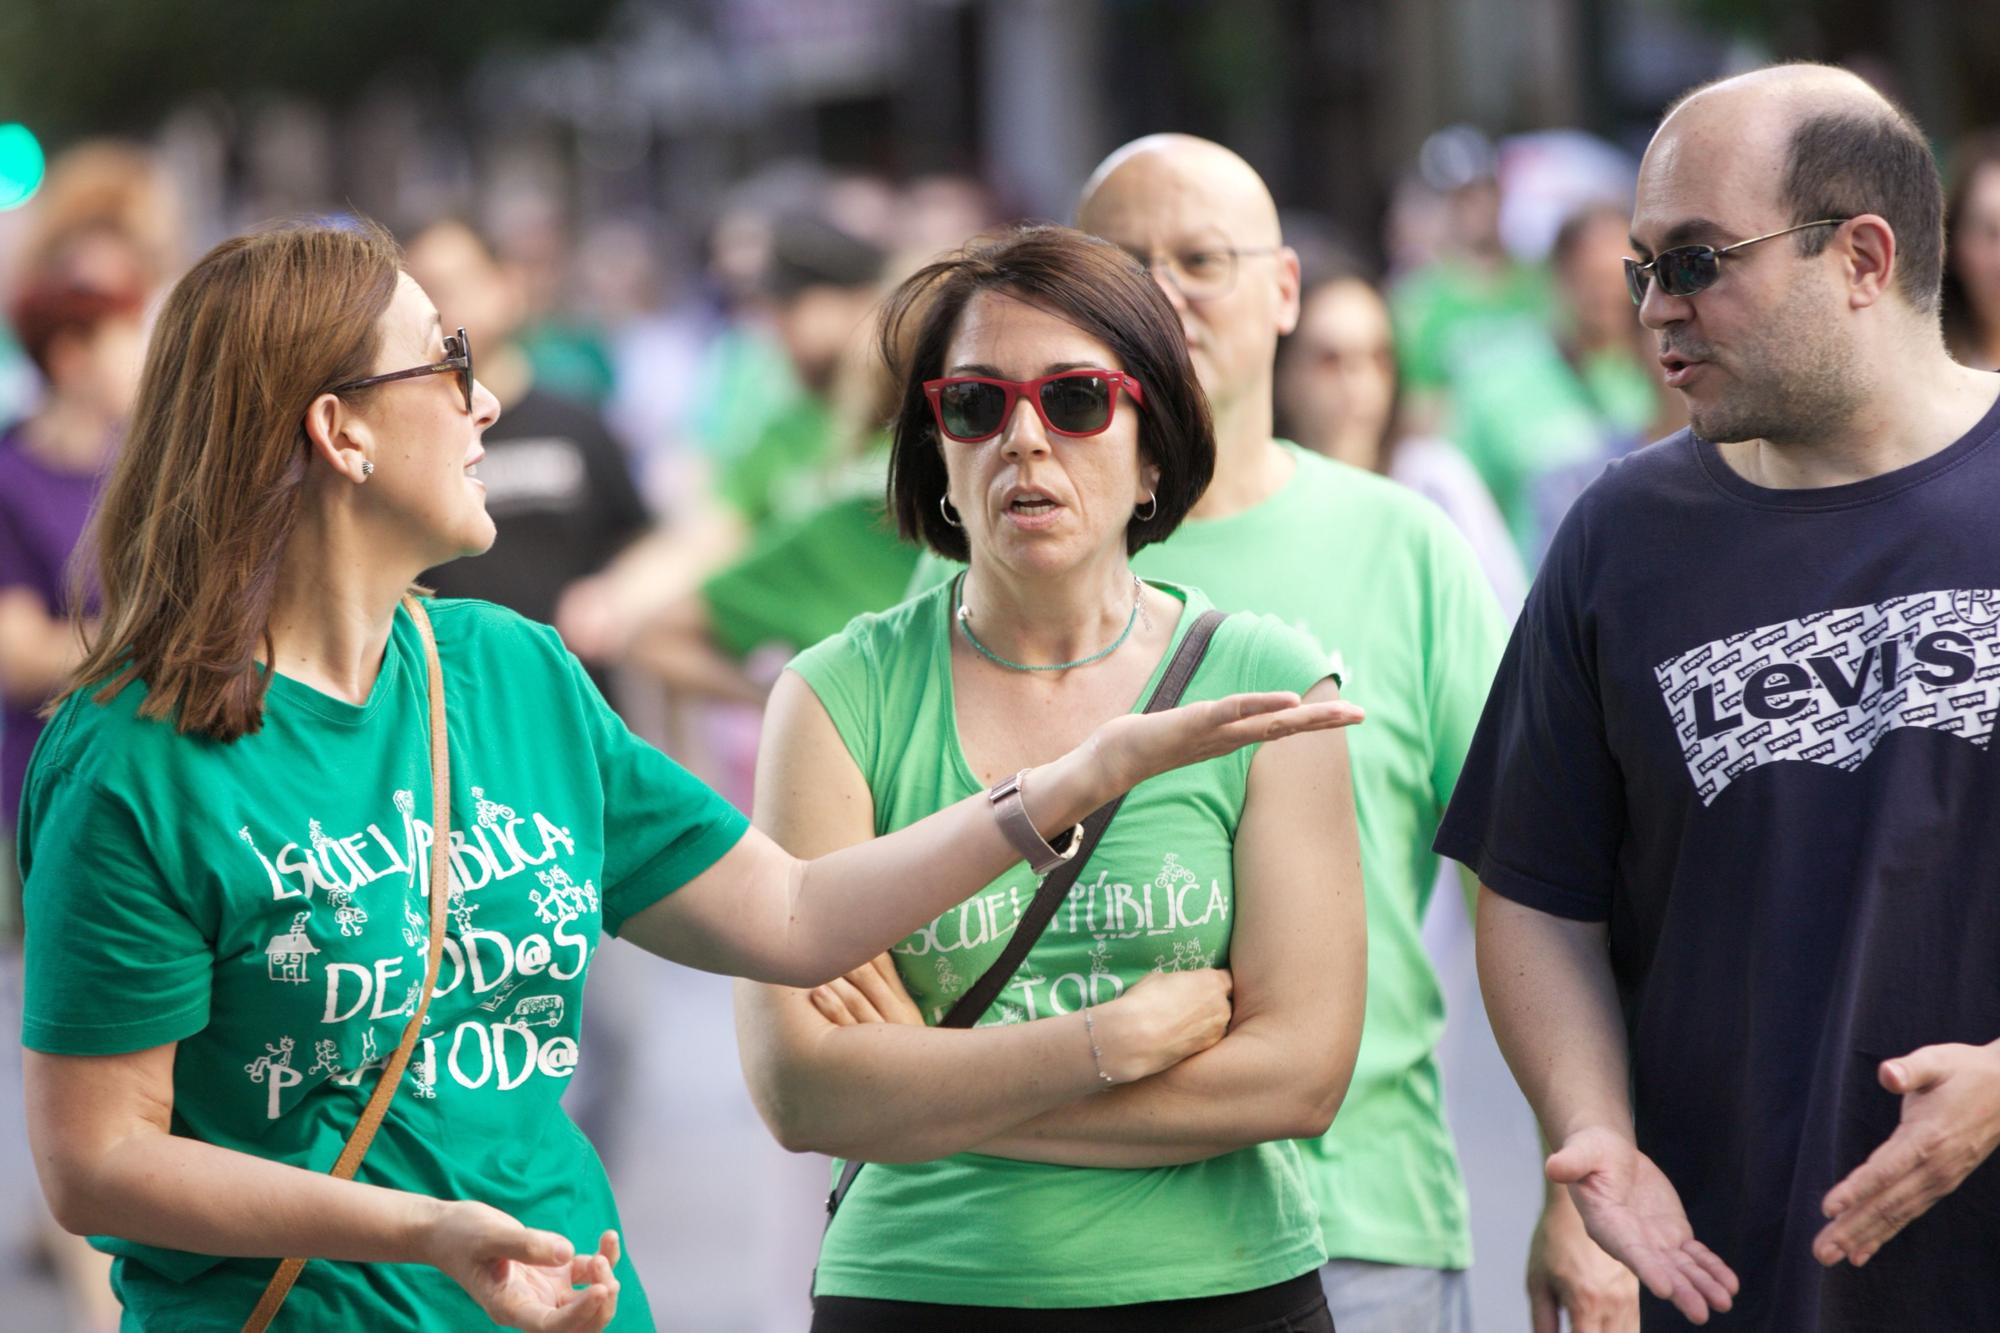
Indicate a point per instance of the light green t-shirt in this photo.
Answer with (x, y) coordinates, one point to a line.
(1380, 578)
(1538, 428)
(1450, 309)
(782, 474)
(1158, 894)
(264, 903)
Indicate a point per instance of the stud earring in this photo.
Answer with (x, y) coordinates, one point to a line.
(367, 469)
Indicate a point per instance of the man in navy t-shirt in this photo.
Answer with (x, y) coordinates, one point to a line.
(1734, 798)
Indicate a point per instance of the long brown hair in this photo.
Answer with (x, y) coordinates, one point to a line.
(207, 489)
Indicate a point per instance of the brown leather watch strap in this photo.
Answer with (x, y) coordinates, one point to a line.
(439, 888)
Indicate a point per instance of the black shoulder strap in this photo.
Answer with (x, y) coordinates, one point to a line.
(1056, 884)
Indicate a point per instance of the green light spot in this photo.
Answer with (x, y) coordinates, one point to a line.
(21, 165)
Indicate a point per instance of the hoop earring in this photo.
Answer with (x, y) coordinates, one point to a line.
(1153, 500)
(944, 508)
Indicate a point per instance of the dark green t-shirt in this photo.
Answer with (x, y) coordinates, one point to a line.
(264, 904)
(1158, 894)
(781, 474)
(805, 579)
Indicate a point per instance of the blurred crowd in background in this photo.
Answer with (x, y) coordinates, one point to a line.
(665, 228)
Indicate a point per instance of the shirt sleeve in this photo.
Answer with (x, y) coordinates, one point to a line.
(1287, 659)
(662, 825)
(840, 675)
(1538, 812)
(114, 961)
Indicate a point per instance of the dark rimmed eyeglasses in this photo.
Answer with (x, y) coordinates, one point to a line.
(1687, 269)
(457, 360)
(1075, 403)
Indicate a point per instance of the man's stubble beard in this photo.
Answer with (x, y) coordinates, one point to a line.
(1799, 386)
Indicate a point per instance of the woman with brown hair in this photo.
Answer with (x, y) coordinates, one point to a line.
(1106, 1148)
(260, 865)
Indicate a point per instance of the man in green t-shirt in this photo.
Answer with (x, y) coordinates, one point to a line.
(1394, 595)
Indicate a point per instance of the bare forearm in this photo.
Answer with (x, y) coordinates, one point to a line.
(661, 568)
(1554, 1008)
(179, 1193)
(891, 1092)
(686, 660)
(843, 906)
(1262, 1082)
(37, 651)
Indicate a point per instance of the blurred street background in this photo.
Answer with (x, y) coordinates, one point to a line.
(664, 222)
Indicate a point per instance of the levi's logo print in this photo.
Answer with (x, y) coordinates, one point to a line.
(1825, 687)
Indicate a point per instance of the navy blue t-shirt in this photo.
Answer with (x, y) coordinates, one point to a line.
(1752, 730)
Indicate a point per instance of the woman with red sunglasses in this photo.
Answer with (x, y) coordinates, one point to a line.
(1107, 1146)
(287, 913)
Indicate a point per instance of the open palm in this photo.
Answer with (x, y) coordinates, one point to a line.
(528, 1279)
(1136, 746)
(1631, 1209)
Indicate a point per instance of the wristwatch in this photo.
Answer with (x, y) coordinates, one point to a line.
(1008, 808)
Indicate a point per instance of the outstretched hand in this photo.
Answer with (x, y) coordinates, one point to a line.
(523, 1278)
(1135, 746)
(1631, 1209)
(1950, 1124)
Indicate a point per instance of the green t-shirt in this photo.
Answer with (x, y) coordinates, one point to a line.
(237, 899)
(1157, 894)
(805, 578)
(782, 474)
(1378, 575)
(1449, 311)
(1538, 428)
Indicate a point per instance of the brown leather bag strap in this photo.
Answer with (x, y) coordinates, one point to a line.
(349, 1161)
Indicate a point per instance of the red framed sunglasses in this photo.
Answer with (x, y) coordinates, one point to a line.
(1075, 403)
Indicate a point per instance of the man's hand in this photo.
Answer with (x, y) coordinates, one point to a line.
(1569, 1273)
(1950, 1124)
(1631, 1209)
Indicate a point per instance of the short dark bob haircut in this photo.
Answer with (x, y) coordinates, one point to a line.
(1093, 285)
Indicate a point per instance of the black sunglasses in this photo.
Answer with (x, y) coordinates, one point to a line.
(457, 360)
(1687, 269)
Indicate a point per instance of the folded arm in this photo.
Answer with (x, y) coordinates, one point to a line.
(849, 1090)
(1299, 955)
(895, 1091)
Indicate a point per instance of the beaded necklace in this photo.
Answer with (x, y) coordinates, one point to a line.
(964, 619)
